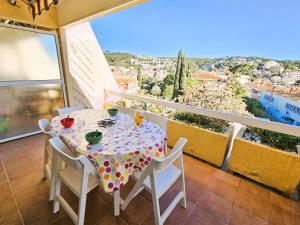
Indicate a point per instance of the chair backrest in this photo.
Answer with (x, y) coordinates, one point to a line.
(63, 152)
(73, 108)
(125, 110)
(44, 125)
(161, 164)
(162, 121)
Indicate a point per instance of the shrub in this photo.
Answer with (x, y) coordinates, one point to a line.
(256, 108)
(205, 122)
(276, 140)
(156, 90)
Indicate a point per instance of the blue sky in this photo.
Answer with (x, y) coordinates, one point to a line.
(204, 28)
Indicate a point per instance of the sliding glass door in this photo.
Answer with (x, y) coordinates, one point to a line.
(31, 84)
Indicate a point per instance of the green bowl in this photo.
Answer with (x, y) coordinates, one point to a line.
(112, 112)
(93, 137)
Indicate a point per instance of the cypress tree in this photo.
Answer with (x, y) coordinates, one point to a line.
(182, 77)
(177, 74)
(139, 76)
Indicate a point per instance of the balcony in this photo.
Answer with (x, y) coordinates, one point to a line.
(214, 196)
(229, 180)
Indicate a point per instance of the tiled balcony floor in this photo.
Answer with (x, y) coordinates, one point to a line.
(214, 197)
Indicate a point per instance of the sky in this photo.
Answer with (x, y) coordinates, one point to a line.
(204, 28)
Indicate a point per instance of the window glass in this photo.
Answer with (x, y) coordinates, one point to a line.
(22, 107)
(26, 55)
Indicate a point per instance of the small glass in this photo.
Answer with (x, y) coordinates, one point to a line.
(138, 119)
(81, 123)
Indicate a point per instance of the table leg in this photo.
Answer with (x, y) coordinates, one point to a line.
(117, 202)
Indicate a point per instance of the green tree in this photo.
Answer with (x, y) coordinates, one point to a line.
(192, 67)
(177, 74)
(237, 89)
(244, 69)
(169, 79)
(182, 76)
(297, 83)
(168, 92)
(139, 75)
(156, 90)
(223, 99)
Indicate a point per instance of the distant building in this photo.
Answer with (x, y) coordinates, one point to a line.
(127, 84)
(283, 109)
(243, 79)
(270, 64)
(238, 60)
(281, 102)
(207, 76)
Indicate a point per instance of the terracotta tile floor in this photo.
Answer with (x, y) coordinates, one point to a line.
(214, 197)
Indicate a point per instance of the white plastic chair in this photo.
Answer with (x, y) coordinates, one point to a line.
(44, 126)
(79, 176)
(125, 110)
(158, 177)
(62, 111)
(161, 121)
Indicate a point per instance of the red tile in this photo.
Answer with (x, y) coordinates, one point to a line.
(224, 189)
(8, 209)
(137, 210)
(279, 216)
(211, 189)
(201, 217)
(180, 215)
(150, 220)
(241, 216)
(285, 203)
(254, 189)
(194, 190)
(110, 219)
(253, 203)
(227, 177)
(217, 206)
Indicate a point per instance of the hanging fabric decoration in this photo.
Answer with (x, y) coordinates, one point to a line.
(36, 7)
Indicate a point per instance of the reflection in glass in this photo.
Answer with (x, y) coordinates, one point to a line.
(26, 55)
(22, 107)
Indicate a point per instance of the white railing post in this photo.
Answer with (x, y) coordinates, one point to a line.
(234, 130)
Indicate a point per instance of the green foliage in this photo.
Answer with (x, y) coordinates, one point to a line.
(220, 97)
(190, 82)
(205, 122)
(169, 79)
(139, 75)
(118, 57)
(297, 83)
(177, 75)
(276, 140)
(290, 66)
(234, 84)
(192, 67)
(182, 76)
(168, 92)
(244, 69)
(156, 90)
(256, 108)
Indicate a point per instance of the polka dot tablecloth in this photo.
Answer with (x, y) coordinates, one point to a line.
(123, 149)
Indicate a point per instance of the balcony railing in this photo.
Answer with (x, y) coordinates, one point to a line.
(248, 121)
(270, 166)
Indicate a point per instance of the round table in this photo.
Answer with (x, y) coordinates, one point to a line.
(123, 149)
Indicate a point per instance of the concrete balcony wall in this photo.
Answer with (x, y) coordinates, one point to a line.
(204, 144)
(270, 166)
